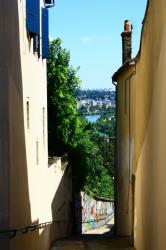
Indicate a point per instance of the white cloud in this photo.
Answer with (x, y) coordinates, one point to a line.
(105, 37)
(87, 40)
(98, 38)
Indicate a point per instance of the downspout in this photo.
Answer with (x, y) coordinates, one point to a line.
(115, 164)
(131, 179)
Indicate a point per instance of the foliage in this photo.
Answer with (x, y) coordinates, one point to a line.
(70, 133)
(89, 171)
(63, 124)
(106, 124)
(106, 148)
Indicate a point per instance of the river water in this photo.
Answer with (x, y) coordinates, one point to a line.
(92, 118)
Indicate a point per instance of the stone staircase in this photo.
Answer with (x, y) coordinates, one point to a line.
(93, 244)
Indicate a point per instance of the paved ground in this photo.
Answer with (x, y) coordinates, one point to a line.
(99, 244)
(98, 239)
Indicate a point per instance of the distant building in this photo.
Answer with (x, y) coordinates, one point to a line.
(93, 103)
(113, 103)
(108, 104)
(99, 103)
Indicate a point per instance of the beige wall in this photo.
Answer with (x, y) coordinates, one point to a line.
(10, 79)
(30, 191)
(148, 128)
(150, 221)
(124, 164)
(55, 205)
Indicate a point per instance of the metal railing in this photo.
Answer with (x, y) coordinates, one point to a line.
(12, 233)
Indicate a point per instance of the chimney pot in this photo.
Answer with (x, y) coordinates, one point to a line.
(127, 26)
(126, 42)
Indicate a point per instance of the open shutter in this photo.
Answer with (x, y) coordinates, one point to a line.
(45, 34)
(33, 16)
(49, 3)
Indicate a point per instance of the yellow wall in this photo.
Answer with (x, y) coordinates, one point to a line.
(55, 204)
(150, 222)
(148, 131)
(30, 191)
(124, 140)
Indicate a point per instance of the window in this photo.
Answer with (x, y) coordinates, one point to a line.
(27, 108)
(36, 44)
(43, 125)
(37, 153)
(33, 16)
(45, 34)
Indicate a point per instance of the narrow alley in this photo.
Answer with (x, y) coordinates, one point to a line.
(82, 125)
(93, 244)
(97, 239)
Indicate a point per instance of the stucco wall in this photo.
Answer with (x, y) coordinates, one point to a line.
(148, 130)
(11, 130)
(124, 160)
(30, 191)
(54, 205)
(150, 206)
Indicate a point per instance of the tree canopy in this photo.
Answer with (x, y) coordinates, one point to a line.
(63, 124)
(70, 133)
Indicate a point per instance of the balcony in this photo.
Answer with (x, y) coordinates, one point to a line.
(49, 3)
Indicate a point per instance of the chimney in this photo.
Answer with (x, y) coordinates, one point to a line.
(126, 42)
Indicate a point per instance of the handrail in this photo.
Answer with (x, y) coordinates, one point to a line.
(28, 228)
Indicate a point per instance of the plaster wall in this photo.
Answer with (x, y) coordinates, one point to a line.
(30, 191)
(150, 202)
(10, 78)
(148, 130)
(125, 130)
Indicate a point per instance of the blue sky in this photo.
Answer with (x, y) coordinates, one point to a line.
(91, 30)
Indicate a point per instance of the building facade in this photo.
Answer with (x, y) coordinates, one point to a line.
(28, 187)
(141, 203)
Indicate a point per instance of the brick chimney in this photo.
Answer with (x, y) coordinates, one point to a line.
(126, 42)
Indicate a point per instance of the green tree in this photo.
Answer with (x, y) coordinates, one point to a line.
(67, 131)
(89, 172)
(63, 123)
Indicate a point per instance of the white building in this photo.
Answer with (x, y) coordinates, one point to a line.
(27, 185)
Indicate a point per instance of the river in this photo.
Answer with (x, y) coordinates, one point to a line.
(92, 118)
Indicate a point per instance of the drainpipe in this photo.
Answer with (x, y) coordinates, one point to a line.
(131, 180)
(116, 160)
(115, 164)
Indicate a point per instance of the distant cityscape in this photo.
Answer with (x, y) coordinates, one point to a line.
(95, 101)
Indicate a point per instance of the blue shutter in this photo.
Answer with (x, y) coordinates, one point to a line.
(33, 16)
(45, 34)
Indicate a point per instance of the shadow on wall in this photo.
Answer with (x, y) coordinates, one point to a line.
(77, 213)
(42, 239)
(62, 208)
(15, 207)
(14, 195)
